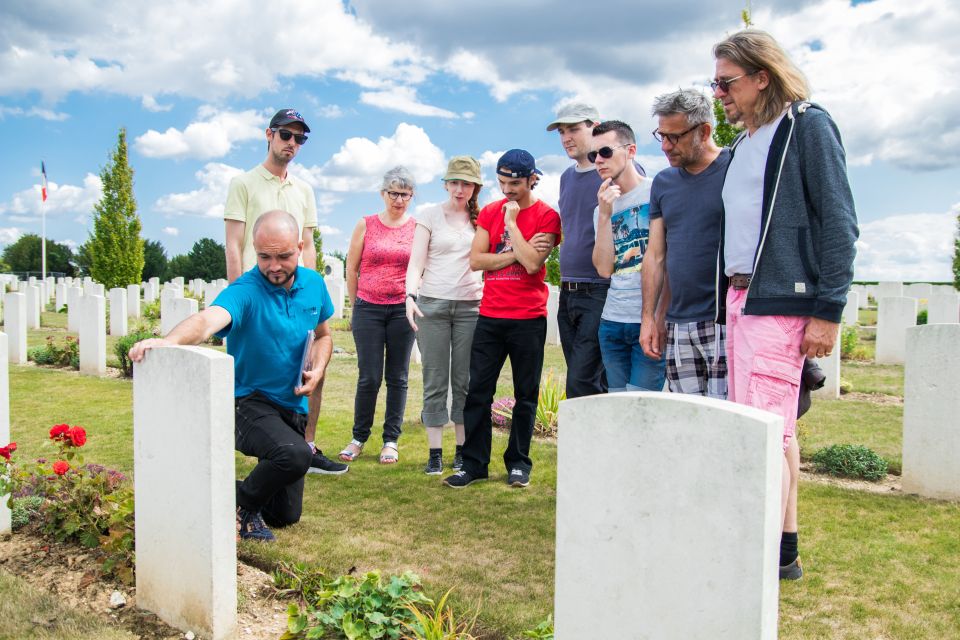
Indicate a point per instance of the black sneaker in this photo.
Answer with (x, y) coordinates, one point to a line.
(458, 460)
(252, 526)
(792, 571)
(461, 479)
(434, 464)
(323, 464)
(518, 478)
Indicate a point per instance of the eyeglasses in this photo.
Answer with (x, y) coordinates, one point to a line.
(286, 134)
(724, 85)
(394, 195)
(672, 138)
(604, 152)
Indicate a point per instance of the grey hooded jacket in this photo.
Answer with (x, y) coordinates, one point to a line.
(804, 261)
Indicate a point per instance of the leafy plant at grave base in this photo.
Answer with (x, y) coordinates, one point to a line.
(922, 317)
(298, 580)
(360, 608)
(849, 339)
(23, 510)
(151, 310)
(548, 404)
(122, 348)
(439, 622)
(543, 631)
(501, 412)
(84, 503)
(53, 354)
(845, 386)
(850, 461)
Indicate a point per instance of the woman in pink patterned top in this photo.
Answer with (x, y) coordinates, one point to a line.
(376, 272)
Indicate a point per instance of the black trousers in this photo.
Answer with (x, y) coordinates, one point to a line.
(493, 340)
(274, 435)
(380, 329)
(578, 321)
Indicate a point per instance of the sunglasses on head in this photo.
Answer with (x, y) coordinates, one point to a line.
(604, 152)
(286, 134)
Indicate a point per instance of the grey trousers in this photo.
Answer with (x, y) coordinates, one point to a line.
(445, 339)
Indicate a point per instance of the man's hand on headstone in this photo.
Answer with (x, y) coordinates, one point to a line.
(138, 350)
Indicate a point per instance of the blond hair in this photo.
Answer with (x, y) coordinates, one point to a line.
(756, 50)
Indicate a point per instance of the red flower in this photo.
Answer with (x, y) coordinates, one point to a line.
(77, 436)
(60, 467)
(12, 447)
(5, 452)
(59, 431)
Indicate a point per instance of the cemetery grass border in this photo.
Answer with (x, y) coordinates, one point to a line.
(873, 563)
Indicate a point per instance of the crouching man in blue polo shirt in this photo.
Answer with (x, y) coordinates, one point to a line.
(266, 314)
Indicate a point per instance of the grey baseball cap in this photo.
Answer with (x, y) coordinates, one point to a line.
(573, 113)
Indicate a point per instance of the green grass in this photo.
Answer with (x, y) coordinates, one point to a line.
(877, 566)
(868, 317)
(872, 378)
(28, 612)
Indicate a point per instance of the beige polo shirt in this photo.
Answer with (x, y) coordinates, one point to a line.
(257, 191)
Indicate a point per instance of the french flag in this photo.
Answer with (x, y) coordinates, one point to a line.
(43, 187)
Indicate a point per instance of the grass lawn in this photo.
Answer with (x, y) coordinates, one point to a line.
(877, 566)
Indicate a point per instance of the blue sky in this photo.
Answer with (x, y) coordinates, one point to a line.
(194, 84)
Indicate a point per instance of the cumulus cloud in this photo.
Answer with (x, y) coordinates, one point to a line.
(171, 231)
(61, 198)
(206, 201)
(150, 103)
(213, 135)
(9, 235)
(404, 100)
(33, 112)
(327, 230)
(360, 163)
(916, 246)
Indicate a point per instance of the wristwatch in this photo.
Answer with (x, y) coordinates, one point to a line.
(413, 296)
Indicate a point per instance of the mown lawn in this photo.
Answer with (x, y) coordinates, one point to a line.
(877, 566)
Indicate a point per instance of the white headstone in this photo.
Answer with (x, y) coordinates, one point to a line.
(93, 335)
(851, 310)
(553, 308)
(943, 309)
(61, 297)
(671, 549)
(15, 326)
(175, 311)
(91, 288)
(133, 301)
(831, 368)
(335, 288)
(149, 292)
(888, 290)
(33, 306)
(179, 282)
(863, 292)
(944, 289)
(931, 404)
(893, 318)
(5, 523)
(185, 521)
(333, 267)
(918, 290)
(74, 296)
(118, 312)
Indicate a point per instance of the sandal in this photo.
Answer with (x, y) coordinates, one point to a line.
(389, 454)
(351, 452)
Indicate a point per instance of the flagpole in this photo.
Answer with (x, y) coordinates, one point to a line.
(43, 240)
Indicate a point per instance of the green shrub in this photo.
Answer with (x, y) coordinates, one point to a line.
(850, 461)
(55, 355)
(543, 631)
(122, 348)
(23, 510)
(922, 316)
(151, 310)
(849, 339)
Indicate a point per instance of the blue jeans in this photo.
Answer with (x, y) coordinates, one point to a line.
(628, 368)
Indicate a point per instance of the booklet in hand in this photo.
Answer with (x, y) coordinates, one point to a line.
(305, 364)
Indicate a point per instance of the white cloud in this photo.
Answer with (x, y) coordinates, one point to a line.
(9, 235)
(404, 100)
(212, 136)
(171, 231)
(208, 200)
(915, 246)
(33, 112)
(360, 163)
(327, 230)
(61, 198)
(150, 103)
(329, 111)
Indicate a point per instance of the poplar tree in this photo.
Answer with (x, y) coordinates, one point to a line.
(115, 246)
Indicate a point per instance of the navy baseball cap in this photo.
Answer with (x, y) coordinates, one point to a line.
(288, 116)
(517, 163)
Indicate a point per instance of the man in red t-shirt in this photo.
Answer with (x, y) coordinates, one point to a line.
(512, 241)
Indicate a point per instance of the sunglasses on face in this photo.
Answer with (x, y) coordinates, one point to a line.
(724, 84)
(393, 195)
(604, 152)
(286, 134)
(672, 138)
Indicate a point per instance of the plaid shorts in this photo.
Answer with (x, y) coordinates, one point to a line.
(697, 358)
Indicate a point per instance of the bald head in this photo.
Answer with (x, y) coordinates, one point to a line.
(276, 225)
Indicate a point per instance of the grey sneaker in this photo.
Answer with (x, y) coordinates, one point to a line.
(434, 465)
(518, 478)
(461, 479)
(792, 571)
(323, 464)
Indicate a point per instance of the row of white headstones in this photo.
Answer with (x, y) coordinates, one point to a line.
(678, 537)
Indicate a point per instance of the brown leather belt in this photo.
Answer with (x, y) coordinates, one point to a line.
(740, 281)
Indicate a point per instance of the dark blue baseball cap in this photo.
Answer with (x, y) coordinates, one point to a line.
(517, 163)
(288, 116)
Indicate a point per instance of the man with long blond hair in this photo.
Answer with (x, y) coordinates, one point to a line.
(787, 249)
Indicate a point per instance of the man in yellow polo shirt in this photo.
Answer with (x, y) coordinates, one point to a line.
(266, 187)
